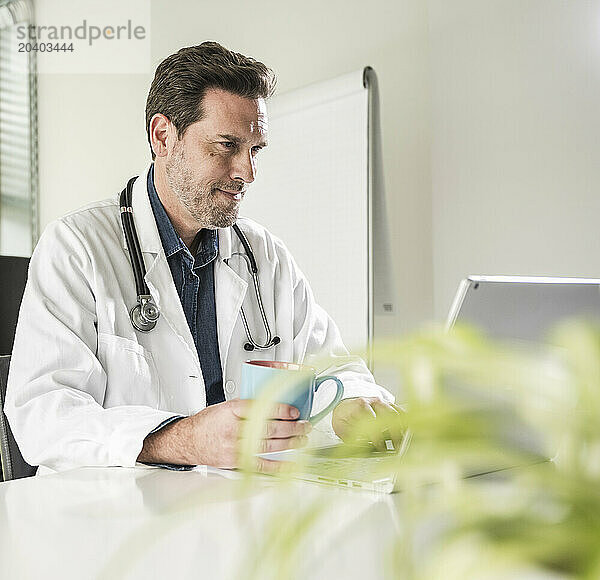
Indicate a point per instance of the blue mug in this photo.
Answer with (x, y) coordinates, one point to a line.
(296, 385)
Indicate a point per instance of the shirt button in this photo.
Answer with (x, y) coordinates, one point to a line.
(230, 387)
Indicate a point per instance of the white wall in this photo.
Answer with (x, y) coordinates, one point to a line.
(490, 125)
(515, 149)
(490, 122)
(92, 135)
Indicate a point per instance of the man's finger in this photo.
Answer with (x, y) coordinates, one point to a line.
(239, 407)
(268, 466)
(366, 418)
(389, 417)
(242, 408)
(271, 445)
(285, 412)
(391, 427)
(381, 406)
(284, 429)
(360, 408)
(373, 420)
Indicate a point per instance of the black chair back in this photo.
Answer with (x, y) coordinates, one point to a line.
(13, 464)
(13, 276)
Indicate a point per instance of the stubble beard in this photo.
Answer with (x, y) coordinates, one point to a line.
(205, 204)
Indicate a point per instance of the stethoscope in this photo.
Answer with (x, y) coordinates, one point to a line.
(144, 315)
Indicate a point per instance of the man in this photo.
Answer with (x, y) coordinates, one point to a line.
(86, 387)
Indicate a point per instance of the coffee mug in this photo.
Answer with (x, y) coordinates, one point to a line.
(297, 385)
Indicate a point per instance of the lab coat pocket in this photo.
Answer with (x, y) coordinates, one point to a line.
(131, 374)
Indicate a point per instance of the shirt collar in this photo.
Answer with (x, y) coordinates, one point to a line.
(208, 244)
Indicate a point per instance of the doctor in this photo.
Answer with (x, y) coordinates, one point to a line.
(86, 387)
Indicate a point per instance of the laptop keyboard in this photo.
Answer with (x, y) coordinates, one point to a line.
(359, 468)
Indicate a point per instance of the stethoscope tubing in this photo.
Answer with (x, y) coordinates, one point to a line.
(270, 341)
(131, 237)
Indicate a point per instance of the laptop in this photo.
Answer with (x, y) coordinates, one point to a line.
(522, 311)
(514, 308)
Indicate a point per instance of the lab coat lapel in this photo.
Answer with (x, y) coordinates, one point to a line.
(161, 286)
(230, 291)
(158, 274)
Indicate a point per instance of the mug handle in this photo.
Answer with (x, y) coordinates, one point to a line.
(338, 397)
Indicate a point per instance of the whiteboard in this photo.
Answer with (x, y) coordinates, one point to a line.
(312, 191)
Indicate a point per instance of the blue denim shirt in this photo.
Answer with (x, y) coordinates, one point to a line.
(195, 283)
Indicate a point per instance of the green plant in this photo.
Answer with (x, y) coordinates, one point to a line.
(467, 398)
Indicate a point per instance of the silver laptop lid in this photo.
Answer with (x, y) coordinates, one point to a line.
(522, 307)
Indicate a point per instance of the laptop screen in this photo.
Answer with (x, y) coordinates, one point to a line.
(524, 308)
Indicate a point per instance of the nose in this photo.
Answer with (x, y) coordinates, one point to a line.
(243, 167)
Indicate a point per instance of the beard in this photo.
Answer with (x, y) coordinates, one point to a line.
(206, 205)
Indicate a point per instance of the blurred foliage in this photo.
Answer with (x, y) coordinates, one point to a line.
(471, 403)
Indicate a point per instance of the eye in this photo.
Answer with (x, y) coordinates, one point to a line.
(256, 149)
(228, 144)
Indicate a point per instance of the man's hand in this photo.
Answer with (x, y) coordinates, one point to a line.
(368, 419)
(212, 437)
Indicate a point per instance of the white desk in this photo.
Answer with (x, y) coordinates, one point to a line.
(146, 523)
(153, 523)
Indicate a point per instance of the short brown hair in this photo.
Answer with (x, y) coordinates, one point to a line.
(182, 79)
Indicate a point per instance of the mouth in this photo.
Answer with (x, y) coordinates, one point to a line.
(234, 195)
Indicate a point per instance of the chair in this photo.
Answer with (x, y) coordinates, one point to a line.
(13, 276)
(13, 464)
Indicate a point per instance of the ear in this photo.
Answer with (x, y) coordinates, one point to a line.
(162, 135)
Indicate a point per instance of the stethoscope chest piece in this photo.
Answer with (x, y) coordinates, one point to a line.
(144, 314)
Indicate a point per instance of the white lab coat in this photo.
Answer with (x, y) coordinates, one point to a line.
(85, 388)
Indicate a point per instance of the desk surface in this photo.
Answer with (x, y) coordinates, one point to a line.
(155, 523)
(146, 523)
